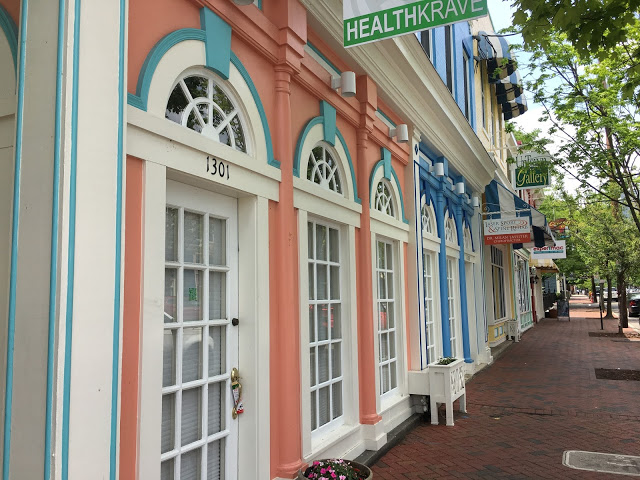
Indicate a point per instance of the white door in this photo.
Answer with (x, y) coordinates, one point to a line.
(199, 435)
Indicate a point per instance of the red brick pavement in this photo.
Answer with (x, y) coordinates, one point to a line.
(540, 398)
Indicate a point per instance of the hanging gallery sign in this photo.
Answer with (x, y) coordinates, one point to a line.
(367, 21)
(559, 250)
(532, 170)
(507, 230)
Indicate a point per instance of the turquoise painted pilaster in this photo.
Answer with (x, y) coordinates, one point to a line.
(442, 272)
(464, 311)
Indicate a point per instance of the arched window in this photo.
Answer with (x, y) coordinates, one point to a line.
(450, 234)
(427, 220)
(468, 243)
(199, 102)
(384, 200)
(323, 170)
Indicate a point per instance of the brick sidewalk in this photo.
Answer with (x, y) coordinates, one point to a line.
(540, 398)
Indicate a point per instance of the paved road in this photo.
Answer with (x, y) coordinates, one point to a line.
(540, 398)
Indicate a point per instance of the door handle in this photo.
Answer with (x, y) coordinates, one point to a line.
(236, 393)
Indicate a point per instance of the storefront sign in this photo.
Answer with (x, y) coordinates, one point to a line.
(507, 230)
(532, 170)
(370, 20)
(559, 250)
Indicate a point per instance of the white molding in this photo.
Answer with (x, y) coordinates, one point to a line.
(389, 227)
(324, 203)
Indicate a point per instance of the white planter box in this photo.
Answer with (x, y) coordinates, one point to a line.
(446, 385)
(513, 330)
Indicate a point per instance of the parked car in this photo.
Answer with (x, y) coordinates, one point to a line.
(614, 294)
(633, 305)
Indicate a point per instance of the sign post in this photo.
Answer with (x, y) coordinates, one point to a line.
(371, 20)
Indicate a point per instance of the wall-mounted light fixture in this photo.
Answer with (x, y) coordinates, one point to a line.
(346, 82)
(243, 2)
(401, 132)
(475, 201)
(438, 169)
(460, 188)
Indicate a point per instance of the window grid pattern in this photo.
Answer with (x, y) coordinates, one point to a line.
(195, 378)
(427, 220)
(451, 287)
(429, 314)
(200, 104)
(497, 274)
(450, 231)
(387, 357)
(383, 200)
(325, 325)
(323, 170)
(468, 242)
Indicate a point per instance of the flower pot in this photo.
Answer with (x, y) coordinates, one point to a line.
(364, 472)
(446, 385)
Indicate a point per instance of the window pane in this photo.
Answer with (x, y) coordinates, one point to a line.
(384, 348)
(323, 363)
(238, 134)
(170, 295)
(336, 321)
(312, 366)
(190, 465)
(314, 422)
(334, 244)
(217, 350)
(323, 322)
(394, 377)
(168, 423)
(312, 323)
(192, 296)
(389, 256)
(166, 469)
(322, 289)
(191, 415)
(390, 318)
(384, 378)
(311, 282)
(324, 405)
(198, 86)
(169, 358)
(336, 360)
(390, 285)
(171, 235)
(381, 255)
(336, 391)
(382, 286)
(310, 240)
(215, 408)
(217, 241)
(192, 237)
(217, 295)
(175, 106)
(321, 242)
(215, 460)
(392, 345)
(191, 354)
(335, 283)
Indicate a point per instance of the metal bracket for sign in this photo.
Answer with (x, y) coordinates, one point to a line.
(486, 212)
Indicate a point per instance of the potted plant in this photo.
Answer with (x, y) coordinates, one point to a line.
(446, 385)
(336, 469)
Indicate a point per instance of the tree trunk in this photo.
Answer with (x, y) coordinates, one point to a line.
(622, 302)
(609, 311)
(593, 289)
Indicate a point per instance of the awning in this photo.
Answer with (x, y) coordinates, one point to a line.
(514, 108)
(509, 88)
(544, 265)
(502, 203)
(495, 50)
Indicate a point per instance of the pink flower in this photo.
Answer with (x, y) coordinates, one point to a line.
(342, 477)
(316, 463)
(333, 475)
(323, 471)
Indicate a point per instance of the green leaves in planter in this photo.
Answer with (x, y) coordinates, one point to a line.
(446, 360)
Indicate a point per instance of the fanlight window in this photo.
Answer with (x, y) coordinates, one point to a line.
(323, 169)
(450, 231)
(468, 244)
(384, 201)
(427, 220)
(198, 103)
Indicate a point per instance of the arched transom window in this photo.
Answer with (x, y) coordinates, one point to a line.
(468, 243)
(427, 220)
(450, 231)
(323, 170)
(198, 102)
(384, 201)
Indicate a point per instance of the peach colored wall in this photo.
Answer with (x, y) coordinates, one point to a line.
(131, 319)
(13, 7)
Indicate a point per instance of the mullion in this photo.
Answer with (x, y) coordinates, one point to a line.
(315, 324)
(205, 331)
(179, 345)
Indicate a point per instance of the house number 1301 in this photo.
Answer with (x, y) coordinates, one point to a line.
(215, 167)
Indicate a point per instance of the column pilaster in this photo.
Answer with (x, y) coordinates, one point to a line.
(464, 310)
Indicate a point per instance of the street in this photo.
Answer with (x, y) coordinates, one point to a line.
(539, 399)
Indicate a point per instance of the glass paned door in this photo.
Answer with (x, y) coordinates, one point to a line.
(199, 437)
(452, 291)
(387, 357)
(429, 313)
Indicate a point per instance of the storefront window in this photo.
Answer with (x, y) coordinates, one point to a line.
(497, 272)
(387, 355)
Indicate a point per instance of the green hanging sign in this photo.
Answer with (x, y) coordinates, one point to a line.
(371, 20)
(533, 175)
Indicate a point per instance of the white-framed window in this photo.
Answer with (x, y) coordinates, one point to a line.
(428, 220)
(322, 169)
(468, 242)
(326, 309)
(386, 314)
(452, 293)
(466, 85)
(429, 304)
(383, 201)
(201, 102)
(497, 275)
(524, 288)
(450, 232)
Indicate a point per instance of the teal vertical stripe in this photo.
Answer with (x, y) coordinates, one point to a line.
(116, 302)
(11, 328)
(53, 269)
(72, 244)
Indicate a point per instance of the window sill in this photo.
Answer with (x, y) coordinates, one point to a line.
(329, 439)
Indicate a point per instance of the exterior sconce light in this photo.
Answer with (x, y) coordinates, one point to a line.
(475, 201)
(346, 82)
(401, 132)
(460, 188)
(438, 169)
(243, 2)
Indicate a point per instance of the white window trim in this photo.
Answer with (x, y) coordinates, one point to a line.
(504, 285)
(457, 322)
(437, 315)
(315, 443)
